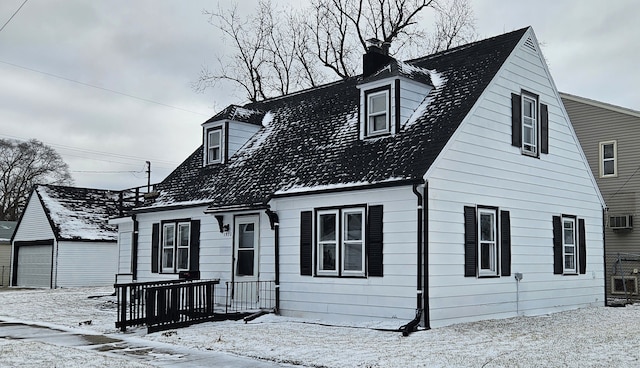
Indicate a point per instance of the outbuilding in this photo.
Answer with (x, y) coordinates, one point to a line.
(63, 238)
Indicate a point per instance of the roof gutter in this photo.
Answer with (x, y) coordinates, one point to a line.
(349, 188)
(240, 207)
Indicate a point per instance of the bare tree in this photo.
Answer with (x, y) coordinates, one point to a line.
(23, 165)
(280, 50)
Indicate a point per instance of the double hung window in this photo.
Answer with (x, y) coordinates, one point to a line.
(487, 242)
(569, 249)
(175, 246)
(608, 159)
(569, 245)
(340, 242)
(378, 115)
(529, 125)
(214, 145)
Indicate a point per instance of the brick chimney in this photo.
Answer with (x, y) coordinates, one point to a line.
(377, 56)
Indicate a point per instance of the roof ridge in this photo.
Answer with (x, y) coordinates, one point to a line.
(467, 45)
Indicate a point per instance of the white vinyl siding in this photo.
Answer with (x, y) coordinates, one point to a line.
(34, 224)
(216, 248)
(480, 166)
(239, 134)
(392, 296)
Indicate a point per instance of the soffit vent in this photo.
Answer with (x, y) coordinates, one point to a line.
(529, 44)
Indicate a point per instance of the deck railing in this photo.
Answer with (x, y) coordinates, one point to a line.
(161, 305)
(131, 302)
(179, 305)
(250, 296)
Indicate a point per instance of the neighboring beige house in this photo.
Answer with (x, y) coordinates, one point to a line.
(6, 232)
(610, 138)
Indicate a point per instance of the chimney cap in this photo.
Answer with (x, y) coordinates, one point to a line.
(374, 42)
(378, 46)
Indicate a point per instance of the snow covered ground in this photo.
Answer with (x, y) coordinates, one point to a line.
(592, 337)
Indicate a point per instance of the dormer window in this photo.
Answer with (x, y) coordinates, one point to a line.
(214, 145)
(377, 111)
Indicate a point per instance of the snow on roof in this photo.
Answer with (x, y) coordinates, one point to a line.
(80, 213)
(311, 139)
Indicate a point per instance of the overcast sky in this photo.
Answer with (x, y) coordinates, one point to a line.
(107, 82)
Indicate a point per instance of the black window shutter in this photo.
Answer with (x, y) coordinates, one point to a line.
(374, 241)
(306, 241)
(557, 245)
(544, 128)
(505, 243)
(516, 122)
(582, 247)
(194, 246)
(155, 244)
(470, 242)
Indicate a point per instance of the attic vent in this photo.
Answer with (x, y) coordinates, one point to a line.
(530, 45)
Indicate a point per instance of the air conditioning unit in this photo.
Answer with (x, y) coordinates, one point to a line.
(621, 222)
(624, 285)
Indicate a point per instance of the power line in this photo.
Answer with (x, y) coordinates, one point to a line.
(100, 88)
(13, 15)
(113, 155)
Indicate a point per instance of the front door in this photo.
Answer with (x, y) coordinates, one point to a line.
(246, 259)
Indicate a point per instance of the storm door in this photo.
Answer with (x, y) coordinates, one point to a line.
(246, 259)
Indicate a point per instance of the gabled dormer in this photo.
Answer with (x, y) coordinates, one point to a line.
(390, 92)
(227, 131)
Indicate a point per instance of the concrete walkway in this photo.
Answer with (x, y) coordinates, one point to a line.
(131, 348)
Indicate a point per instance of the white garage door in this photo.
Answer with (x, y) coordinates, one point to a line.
(34, 266)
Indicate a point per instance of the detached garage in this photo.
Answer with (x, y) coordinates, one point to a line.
(64, 240)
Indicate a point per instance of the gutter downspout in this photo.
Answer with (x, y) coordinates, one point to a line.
(413, 324)
(134, 249)
(604, 252)
(275, 226)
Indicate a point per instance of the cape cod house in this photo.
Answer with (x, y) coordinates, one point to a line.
(444, 189)
(63, 238)
(610, 138)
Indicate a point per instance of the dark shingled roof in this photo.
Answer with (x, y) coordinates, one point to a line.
(80, 213)
(311, 138)
(238, 113)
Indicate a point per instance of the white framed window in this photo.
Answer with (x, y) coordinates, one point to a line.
(327, 234)
(487, 242)
(168, 246)
(569, 246)
(176, 238)
(341, 242)
(530, 124)
(608, 159)
(214, 145)
(378, 112)
(353, 242)
(182, 246)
